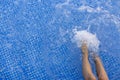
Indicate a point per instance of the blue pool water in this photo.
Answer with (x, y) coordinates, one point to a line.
(35, 37)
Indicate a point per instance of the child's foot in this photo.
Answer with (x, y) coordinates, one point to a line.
(84, 48)
(95, 57)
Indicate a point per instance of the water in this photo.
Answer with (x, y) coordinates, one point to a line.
(84, 36)
(35, 37)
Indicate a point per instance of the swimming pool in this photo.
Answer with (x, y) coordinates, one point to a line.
(36, 37)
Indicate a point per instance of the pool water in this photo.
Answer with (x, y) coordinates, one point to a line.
(36, 38)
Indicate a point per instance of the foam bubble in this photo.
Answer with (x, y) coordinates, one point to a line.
(90, 39)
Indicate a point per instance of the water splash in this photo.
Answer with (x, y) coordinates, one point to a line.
(91, 39)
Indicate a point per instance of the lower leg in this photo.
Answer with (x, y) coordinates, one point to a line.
(87, 72)
(100, 69)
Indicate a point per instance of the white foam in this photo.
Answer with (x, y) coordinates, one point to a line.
(92, 10)
(91, 39)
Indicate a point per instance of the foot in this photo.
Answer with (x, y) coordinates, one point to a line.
(95, 57)
(84, 48)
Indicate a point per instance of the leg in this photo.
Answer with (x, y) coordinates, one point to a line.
(87, 72)
(100, 69)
